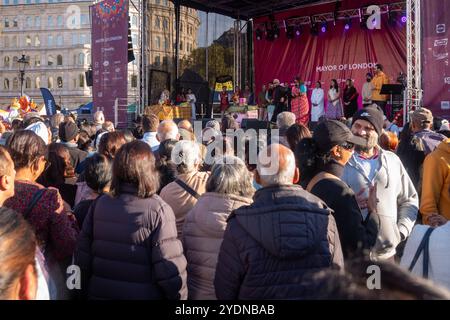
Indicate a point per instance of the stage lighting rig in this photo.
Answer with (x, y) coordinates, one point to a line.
(348, 23)
(314, 27)
(298, 30)
(290, 32)
(392, 18)
(259, 34)
(275, 30)
(324, 27)
(404, 17)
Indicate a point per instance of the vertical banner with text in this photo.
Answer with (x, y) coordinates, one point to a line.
(435, 17)
(110, 56)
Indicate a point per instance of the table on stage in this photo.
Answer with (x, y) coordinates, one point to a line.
(165, 112)
(243, 112)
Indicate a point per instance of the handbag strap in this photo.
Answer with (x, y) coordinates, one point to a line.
(423, 246)
(188, 189)
(319, 177)
(36, 197)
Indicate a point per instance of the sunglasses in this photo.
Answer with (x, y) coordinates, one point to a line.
(348, 145)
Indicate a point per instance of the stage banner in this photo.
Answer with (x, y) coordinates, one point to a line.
(435, 56)
(222, 81)
(110, 56)
(334, 53)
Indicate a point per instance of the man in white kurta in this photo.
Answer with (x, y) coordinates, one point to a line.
(317, 102)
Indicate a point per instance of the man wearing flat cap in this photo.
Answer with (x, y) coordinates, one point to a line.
(68, 133)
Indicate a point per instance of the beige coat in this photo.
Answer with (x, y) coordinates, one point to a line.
(180, 200)
(203, 235)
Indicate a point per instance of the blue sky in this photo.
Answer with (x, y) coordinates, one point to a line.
(218, 24)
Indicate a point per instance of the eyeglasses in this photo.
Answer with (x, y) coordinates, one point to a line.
(348, 145)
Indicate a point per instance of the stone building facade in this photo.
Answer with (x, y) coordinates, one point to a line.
(55, 36)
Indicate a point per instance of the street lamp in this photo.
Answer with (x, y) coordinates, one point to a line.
(23, 62)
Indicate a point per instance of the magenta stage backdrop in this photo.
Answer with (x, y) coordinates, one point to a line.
(110, 55)
(435, 56)
(336, 54)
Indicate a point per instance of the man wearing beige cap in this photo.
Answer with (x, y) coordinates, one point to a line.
(423, 142)
(421, 125)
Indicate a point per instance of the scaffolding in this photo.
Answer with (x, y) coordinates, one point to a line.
(413, 60)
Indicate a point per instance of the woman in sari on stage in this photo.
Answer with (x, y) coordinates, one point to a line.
(299, 103)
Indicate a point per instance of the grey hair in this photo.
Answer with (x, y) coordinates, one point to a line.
(214, 124)
(167, 130)
(269, 169)
(186, 155)
(229, 175)
(98, 115)
(285, 119)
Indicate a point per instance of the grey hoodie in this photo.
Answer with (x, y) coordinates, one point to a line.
(398, 200)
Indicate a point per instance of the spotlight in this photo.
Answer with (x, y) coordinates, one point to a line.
(276, 31)
(364, 22)
(404, 18)
(393, 18)
(298, 30)
(290, 32)
(270, 35)
(348, 24)
(259, 34)
(314, 29)
(324, 27)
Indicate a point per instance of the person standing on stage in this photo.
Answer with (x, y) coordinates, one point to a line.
(262, 103)
(378, 81)
(279, 99)
(248, 95)
(191, 99)
(350, 99)
(237, 95)
(299, 103)
(224, 100)
(334, 106)
(317, 101)
(367, 90)
(269, 99)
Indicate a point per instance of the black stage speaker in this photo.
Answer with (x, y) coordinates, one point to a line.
(89, 80)
(130, 44)
(254, 124)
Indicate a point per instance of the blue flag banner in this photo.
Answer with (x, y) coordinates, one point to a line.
(50, 105)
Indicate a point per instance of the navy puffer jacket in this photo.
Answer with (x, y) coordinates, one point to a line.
(271, 246)
(128, 249)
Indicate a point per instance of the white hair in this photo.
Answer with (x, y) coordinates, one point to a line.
(99, 117)
(214, 124)
(268, 166)
(170, 133)
(285, 119)
(186, 155)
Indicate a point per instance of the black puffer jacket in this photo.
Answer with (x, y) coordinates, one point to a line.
(128, 249)
(270, 246)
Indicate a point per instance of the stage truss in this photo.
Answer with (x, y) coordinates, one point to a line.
(413, 60)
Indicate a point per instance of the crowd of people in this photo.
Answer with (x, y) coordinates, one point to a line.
(150, 213)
